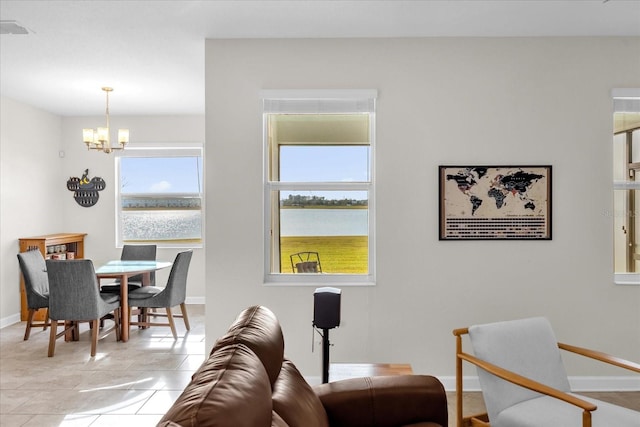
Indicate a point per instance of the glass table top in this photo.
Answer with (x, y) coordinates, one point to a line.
(119, 266)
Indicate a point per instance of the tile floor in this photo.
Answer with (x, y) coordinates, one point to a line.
(131, 383)
(126, 384)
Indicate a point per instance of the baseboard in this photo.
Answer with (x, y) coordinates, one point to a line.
(9, 320)
(605, 383)
(195, 300)
(578, 383)
(468, 383)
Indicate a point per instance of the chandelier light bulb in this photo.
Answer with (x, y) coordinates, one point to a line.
(99, 139)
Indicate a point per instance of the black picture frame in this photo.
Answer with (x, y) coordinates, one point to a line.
(495, 202)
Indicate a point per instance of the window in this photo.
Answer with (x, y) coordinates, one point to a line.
(319, 186)
(626, 179)
(160, 196)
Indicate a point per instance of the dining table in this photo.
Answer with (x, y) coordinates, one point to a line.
(123, 270)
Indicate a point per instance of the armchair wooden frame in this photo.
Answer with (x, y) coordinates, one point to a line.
(482, 420)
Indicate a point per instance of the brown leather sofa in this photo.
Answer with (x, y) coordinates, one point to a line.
(247, 382)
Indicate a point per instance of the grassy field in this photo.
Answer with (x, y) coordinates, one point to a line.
(338, 254)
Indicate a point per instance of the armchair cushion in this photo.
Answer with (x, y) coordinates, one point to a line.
(548, 411)
(514, 358)
(527, 347)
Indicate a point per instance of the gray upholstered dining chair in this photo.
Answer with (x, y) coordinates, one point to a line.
(74, 296)
(524, 382)
(36, 286)
(134, 253)
(173, 294)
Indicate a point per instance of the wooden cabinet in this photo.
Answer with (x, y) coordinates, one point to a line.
(61, 245)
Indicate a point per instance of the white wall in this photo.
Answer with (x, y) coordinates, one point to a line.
(441, 101)
(29, 166)
(35, 199)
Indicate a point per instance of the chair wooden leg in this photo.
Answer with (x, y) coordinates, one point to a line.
(52, 338)
(117, 313)
(172, 324)
(143, 317)
(76, 330)
(128, 315)
(47, 321)
(94, 336)
(183, 309)
(27, 331)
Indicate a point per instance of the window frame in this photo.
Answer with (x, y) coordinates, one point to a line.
(318, 102)
(626, 100)
(193, 149)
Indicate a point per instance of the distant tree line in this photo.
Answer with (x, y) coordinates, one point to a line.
(131, 202)
(315, 201)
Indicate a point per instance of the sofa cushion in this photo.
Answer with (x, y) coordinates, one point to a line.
(257, 328)
(231, 389)
(295, 401)
(277, 420)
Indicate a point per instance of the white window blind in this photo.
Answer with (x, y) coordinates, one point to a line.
(318, 101)
(626, 100)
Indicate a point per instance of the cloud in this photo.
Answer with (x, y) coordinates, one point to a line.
(160, 187)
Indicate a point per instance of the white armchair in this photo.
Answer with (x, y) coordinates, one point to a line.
(524, 383)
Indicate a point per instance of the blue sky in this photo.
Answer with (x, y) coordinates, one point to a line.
(298, 164)
(160, 174)
(338, 163)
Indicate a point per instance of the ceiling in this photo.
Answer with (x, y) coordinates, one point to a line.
(152, 52)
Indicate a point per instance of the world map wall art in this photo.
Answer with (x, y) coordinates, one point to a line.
(495, 202)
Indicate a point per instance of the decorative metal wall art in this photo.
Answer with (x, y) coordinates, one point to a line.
(85, 189)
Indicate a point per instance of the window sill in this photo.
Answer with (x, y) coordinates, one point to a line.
(318, 280)
(162, 244)
(627, 279)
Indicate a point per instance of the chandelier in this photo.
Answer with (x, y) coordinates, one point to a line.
(99, 139)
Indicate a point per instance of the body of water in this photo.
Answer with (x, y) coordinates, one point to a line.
(162, 225)
(187, 224)
(324, 222)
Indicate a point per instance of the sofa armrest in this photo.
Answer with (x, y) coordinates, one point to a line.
(384, 401)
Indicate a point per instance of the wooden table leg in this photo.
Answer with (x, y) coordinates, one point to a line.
(124, 308)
